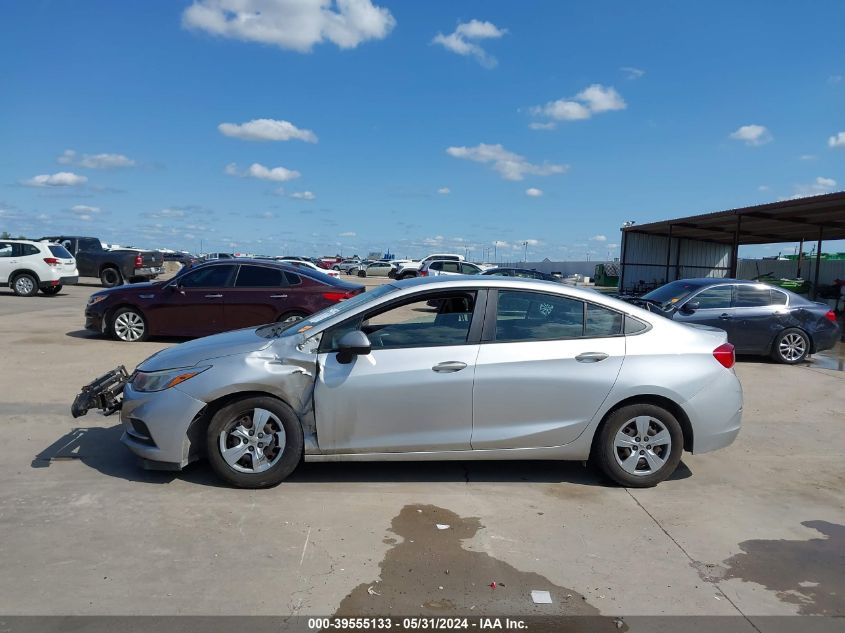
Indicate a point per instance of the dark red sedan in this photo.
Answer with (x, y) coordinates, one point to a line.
(214, 297)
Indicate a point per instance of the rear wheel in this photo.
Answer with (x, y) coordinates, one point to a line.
(25, 285)
(639, 446)
(129, 325)
(405, 276)
(254, 442)
(362, 273)
(791, 346)
(110, 277)
(52, 290)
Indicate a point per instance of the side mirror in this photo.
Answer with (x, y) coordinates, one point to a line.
(352, 344)
(690, 306)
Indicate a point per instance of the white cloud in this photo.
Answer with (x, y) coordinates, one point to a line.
(444, 191)
(819, 186)
(834, 79)
(291, 24)
(266, 130)
(594, 99)
(752, 135)
(530, 242)
(257, 170)
(599, 238)
(59, 179)
(95, 161)
(510, 166)
(84, 209)
(303, 195)
(807, 157)
(533, 192)
(536, 125)
(632, 73)
(837, 140)
(763, 188)
(464, 40)
(348, 234)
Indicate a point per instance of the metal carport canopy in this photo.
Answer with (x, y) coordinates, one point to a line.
(799, 220)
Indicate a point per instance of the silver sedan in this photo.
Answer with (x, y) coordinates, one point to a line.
(464, 368)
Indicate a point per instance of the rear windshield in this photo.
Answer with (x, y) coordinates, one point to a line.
(59, 251)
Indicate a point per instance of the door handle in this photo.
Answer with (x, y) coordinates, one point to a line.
(278, 296)
(213, 296)
(591, 357)
(449, 366)
(725, 316)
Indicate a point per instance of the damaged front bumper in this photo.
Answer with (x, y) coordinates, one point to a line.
(105, 393)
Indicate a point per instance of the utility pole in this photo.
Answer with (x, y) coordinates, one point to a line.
(495, 251)
(525, 258)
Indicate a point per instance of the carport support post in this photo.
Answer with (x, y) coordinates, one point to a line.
(818, 261)
(800, 257)
(735, 247)
(668, 252)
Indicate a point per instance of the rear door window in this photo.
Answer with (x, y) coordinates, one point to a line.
(602, 321)
(778, 298)
(29, 249)
(752, 297)
(535, 316)
(450, 267)
(259, 277)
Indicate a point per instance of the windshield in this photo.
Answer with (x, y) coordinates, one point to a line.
(670, 294)
(297, 327)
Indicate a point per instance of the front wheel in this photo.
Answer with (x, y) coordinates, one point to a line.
(639, 446)
(51, 290)
(291, 317)
(362, 273)
(791, 346)
(128, 325)
(254, 442)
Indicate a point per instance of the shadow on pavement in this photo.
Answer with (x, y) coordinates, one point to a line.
(100, 448)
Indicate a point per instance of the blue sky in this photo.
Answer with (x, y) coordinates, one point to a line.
(414, 126)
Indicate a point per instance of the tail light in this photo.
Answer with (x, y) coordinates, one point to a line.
(338, 296)
(51, 261)
(139, 261)
(830, 316)
(725, 355)
(423, 273)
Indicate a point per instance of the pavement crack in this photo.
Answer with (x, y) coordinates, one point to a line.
(692, 561)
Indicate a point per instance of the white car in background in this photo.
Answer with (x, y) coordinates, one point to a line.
(449, 267)
(375, 269)
(299, 263)
(27, 267)
(412, 269)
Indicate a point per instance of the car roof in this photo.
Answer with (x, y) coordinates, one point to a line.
(310, 273)
(517, 283)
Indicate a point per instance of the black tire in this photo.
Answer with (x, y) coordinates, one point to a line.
(110, 277)
(392, 274)
(607, 454)
(406, 276)
(792, 346)
(291, 317)
(240, 413)
(335, 267)
(128, 325)
(362, 273)
(51, 290)
(25, 285)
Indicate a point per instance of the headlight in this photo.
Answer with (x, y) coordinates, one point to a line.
(96, 299)
(160, 380)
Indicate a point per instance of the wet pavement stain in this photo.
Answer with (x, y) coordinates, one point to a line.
(810, 574)
(430, 573)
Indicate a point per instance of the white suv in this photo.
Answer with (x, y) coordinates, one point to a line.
(413, 269)
(448, 267)
(28, 266)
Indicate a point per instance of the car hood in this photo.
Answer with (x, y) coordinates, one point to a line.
(202, 349)
(134, 288)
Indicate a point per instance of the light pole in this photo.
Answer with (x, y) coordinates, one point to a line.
(525, 257)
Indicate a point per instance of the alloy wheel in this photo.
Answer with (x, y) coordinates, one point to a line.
(129, 326)
(24, 285)
(792, 347)
(253, 442)
(642, 445)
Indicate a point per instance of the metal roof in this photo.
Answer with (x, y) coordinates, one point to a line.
(808, 219)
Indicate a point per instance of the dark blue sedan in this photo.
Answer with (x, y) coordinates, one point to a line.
(759, 319)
